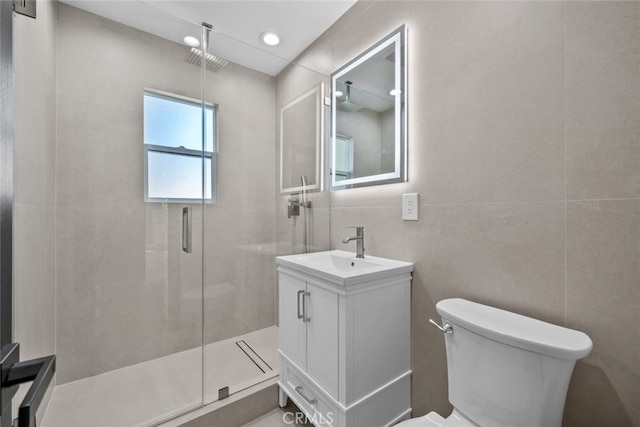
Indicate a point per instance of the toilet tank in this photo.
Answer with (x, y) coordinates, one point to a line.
(506, 369)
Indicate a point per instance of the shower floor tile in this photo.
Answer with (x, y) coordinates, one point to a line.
(146, 393)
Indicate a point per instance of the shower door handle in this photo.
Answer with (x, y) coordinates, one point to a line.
(186, 229)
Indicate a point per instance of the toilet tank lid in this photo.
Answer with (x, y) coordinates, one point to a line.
(515, 329)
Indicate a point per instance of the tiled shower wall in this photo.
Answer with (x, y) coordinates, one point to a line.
(524, 122)
(125, 291)
(34, 283)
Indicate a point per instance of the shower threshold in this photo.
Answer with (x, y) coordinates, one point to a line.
(156, 390)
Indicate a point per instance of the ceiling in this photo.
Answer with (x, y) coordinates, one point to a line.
(236, 24)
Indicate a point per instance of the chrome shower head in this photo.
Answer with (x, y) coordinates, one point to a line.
(213, 62)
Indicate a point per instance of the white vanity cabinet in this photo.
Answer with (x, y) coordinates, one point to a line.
(345, 338)
(308, 331)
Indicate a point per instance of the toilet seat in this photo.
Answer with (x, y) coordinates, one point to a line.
(433, 419)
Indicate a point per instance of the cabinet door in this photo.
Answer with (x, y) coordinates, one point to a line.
(322, 338)
(293, 339)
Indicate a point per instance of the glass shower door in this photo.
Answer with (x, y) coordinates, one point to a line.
(239, 298)
(129, 160)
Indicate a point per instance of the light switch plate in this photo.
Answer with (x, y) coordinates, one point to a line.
(410, 207)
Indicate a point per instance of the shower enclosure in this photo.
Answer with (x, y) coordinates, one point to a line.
(155, 209)
(166, 221)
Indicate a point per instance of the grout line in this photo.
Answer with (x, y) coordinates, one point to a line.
(564, 114)
(611, 199)
(452, 204)
(54, 381)
(522, 202)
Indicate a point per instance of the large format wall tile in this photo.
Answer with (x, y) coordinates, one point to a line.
(34, 276)
(508, 255)
(603, 99)
(488, 104)
(100, 156)
(35, 107)
(34, 280)
(100, 263)
(603, 296)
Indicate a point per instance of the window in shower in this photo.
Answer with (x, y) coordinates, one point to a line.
(179, 167)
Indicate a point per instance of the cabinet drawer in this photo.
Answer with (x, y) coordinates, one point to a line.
(312, 399)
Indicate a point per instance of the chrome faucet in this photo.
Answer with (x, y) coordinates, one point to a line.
(359, 238)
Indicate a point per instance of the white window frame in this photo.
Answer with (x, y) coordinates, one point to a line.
(202, 154)
(347, 174)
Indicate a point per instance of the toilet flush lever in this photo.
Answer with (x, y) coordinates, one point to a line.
(447, 329)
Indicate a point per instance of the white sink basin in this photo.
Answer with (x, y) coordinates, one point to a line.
(329, 260)
(343, 267)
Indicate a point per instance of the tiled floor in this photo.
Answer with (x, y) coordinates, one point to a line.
(287, 417)
(149, 392)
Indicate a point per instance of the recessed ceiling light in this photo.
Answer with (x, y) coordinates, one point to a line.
(191, 41)
(394, 92)
(339, 93)
(270, 38)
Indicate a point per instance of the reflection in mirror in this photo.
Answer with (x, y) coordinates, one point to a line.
(368, 143)
(301, 135)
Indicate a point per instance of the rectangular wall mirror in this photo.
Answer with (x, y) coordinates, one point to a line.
(301, 136)
(368, 117)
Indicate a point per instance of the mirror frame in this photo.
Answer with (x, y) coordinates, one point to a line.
(318, 92)
(399, 174)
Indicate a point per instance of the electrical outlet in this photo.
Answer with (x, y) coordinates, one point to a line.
(410, 207)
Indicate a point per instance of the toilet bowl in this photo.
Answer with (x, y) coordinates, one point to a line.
(504, 369)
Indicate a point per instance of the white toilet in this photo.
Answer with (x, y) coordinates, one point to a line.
(505, 370)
